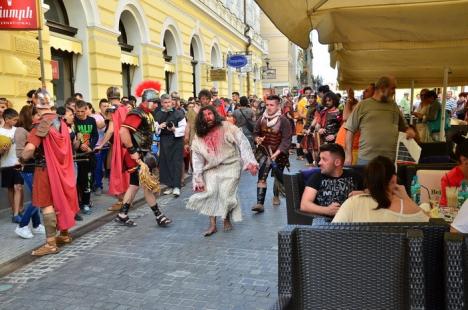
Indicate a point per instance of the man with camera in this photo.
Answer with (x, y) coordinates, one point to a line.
(171, 125)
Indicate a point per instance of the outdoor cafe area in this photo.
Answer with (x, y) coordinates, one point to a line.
(423, 44)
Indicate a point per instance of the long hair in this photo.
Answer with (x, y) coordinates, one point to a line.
(201, 127)
(25, 119)
(377, 176)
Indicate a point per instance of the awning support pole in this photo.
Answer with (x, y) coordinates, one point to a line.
(443, 104)
(412, 103)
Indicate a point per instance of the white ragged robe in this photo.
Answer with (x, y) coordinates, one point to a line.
(217, 161)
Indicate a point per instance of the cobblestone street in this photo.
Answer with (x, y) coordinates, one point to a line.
(148, 267)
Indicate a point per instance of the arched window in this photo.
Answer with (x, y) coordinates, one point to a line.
(57, 18)
(123, 38)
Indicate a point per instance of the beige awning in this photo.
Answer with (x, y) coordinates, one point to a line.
(169, 67)
(64, 43)
(129, 59)
(423, 63)
(340, 21)
(414, 40)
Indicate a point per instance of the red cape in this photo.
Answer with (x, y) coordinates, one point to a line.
(119, 180)
(60, 168)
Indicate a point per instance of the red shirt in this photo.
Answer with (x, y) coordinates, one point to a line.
(452, 178)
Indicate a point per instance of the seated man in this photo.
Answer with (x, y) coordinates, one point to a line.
(327, 190)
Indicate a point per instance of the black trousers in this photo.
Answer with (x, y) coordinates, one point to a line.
(84, 179)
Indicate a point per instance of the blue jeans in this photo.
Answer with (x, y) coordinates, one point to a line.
(99, 170)
(31, 212)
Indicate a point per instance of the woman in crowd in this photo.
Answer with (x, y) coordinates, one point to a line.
(384, 199)
(455, 176)
(27, 116)
(426, 112)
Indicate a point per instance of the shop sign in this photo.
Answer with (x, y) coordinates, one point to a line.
(237, 61)
(55, 69)
(20, 14)
(218, 75)
(269, 74)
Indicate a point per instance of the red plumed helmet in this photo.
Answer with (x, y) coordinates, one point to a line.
(147, 85)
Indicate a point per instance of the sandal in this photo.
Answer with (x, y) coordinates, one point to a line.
(125, 221)
(46, 249)
(63, 239)
(162, 220)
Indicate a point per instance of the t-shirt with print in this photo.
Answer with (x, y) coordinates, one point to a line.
(87, 129)
(334, 189)
(9, 158)
(379, 123)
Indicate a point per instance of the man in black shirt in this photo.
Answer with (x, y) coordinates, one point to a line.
(87, 134)
(327, 190)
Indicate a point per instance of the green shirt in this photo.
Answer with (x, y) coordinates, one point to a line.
(379, 124)
(405, 105)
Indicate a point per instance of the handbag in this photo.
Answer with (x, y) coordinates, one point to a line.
(249, 125)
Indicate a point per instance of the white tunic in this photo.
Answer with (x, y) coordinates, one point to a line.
(219, 170)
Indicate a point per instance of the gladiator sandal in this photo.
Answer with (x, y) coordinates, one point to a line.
(161, 219)
(63, 238)
(124, 220)
(49, 248)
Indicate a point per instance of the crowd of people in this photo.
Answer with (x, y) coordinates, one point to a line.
(73, 147)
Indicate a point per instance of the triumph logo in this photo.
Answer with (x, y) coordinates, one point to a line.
(23, 14)
(18, 14)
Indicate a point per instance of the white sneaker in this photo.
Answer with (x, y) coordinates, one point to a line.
(168, 191)
(39, 229)
(176, 192)
(24, 232)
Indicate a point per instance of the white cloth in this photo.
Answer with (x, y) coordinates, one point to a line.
(271, 119)
(9, 159)
(361, 208)
(219, 171)
(460, 222)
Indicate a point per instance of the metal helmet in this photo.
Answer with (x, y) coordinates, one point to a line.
(43, 99)
(113, 93)
(150, 95)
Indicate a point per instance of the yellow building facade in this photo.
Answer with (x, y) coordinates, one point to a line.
(90, 45)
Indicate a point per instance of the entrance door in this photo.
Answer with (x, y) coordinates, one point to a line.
(63, 86)
(126, 80)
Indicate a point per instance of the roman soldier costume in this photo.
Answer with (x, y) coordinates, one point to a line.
(140, 124)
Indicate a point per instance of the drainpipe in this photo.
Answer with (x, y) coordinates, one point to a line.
(249, 43)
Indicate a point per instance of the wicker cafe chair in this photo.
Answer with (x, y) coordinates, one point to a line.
(294, 187)
(433, 249)
(456, 271)
(335, 269)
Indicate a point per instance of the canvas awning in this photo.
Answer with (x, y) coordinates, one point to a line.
(413, 40)
(65, 43)
(129, 59)
(346, 21)
(421, 62)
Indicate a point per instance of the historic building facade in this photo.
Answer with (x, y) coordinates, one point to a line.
(89, 45)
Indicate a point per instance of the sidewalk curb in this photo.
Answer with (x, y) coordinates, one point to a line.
(26, 258)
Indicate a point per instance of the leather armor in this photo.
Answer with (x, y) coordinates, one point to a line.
(143, 136)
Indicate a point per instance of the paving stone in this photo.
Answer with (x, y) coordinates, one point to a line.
(149, 267)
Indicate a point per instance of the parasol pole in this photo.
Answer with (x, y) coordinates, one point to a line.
(443, 104)
(412, 103)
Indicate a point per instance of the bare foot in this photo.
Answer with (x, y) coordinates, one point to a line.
(227, 225)
(210, 231)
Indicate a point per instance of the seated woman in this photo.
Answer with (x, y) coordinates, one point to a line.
(384, 200)
(455, 176)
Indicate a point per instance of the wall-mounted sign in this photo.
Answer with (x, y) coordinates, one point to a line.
(20, 14)
(55, 69)
(237, 61)
(269, 74)
(218, 75)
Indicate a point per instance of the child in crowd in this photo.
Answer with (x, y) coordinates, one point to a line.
(3, 107)
(11, 176)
